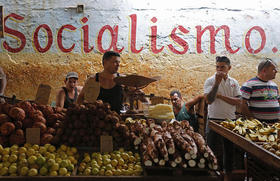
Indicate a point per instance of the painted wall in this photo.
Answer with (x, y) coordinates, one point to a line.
(178, 41)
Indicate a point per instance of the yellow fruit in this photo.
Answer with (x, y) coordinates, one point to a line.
(101, 172)
(50, 162)
(62, 171)
(95, 171)
(70, 167)
(1, 148)
(114, 163)
(58, 160)
(53, 173)
(23, 171)
(55, 167)
(22, 150)
(87, 172)
(81, 168)
(74, 150)
(6, 164)
(12, 169)
(6, 158)
(118, 172)
(4, 171)
(121, 162)
(87, 159)
(13, 158)
(125, 156)
(51, 149)
(23, 162)
(6, 151)
(63, 164)
(121, 150)
(21, 156)
(94, 155)
(63, 147)
(42, 150)
(106, 161)
(43, 171)
(132, 159)
(108, 167)
(32, 172)
(47, 146)
(36, 147)
(14, 148)
(109, 173)
(41, 160)
(27, 145)
(51, 156)
(34, 166)
(130, 153)
(32, 159)
(30, 152)
(138, 168)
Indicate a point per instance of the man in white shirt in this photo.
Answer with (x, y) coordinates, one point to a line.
(222, 94)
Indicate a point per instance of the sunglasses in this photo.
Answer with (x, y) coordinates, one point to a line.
(268, 61)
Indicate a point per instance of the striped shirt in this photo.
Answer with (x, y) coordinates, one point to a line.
(262, 98)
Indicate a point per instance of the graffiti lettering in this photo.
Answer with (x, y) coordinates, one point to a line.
(247, 40)
(15, 34)
(36, 40)
(177, 45)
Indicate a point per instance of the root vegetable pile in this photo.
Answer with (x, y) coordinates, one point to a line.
(175, 145)
(14, 119)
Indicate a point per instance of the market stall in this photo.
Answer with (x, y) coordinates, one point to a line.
(69, 145)
(261, 163)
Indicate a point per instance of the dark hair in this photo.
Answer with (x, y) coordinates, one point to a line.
(223, 59)
(107, 55)
(175, 92)
(266, 62)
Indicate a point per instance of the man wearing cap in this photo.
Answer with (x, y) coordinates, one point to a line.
(3, 83)
(260, 95)
(68, 95)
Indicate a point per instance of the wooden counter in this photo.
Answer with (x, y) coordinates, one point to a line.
(113, 178)
(254, 149)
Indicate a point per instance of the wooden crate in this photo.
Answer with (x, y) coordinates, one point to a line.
(169, 171)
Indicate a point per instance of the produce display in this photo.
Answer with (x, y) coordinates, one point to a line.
(84, 124)
(161, 112)
(273, 147)
(166, 145)
(174, 144)
(14, 119)
(253, 130)
(116, 163)
(37, 160)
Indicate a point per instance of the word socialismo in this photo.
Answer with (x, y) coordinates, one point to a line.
(177, 45)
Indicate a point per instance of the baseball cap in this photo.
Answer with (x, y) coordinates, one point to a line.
(72, 75)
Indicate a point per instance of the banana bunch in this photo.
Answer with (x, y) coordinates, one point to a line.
(273, 147)
(129, 120)
(253, 130)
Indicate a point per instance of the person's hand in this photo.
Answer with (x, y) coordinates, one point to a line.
(218, 96)
(2, 100)
(219, 77)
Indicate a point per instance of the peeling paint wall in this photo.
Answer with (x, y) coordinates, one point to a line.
(46, 39)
